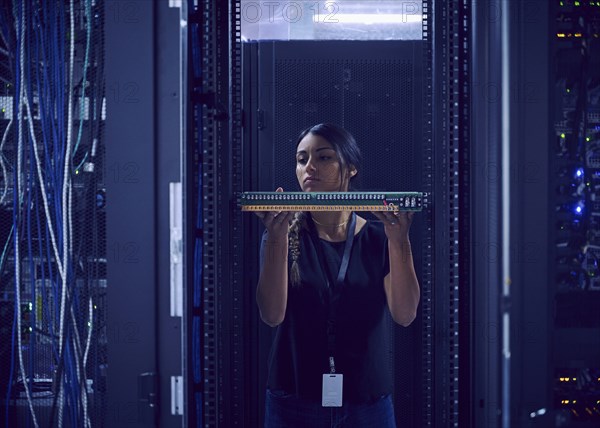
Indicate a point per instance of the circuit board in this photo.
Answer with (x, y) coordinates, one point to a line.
(331, 201)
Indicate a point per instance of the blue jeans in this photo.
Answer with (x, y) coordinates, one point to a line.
(287, 411)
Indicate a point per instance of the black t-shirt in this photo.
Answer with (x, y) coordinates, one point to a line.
(299, 354)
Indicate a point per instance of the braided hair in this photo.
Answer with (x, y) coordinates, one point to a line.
(348, 154)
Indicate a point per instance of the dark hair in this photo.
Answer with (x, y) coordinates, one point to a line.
(348, 154)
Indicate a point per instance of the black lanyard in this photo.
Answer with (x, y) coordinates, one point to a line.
(333, 296)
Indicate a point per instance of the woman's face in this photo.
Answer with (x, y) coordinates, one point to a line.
(318, 168)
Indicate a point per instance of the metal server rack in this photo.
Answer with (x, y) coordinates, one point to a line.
(428, 171)
(216, 307)
(34, 359)
(574, 137)
(449, 42)
(215, 30)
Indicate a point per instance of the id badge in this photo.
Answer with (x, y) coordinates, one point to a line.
(332, 389)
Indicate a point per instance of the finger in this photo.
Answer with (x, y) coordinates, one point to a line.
(404, 216)
(390, 215)
(269, 217)
(281, 218)
(260, 214)
(279, 189)
(278, 215)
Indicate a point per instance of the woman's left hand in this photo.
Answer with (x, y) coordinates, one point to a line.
(397, 223)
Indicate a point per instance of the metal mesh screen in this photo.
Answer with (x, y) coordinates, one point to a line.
(52, 219)
(373, 99)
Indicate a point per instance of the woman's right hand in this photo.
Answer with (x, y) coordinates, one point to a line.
(276, 222)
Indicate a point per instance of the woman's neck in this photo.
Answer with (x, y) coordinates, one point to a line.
(331, 225)
(331, 219)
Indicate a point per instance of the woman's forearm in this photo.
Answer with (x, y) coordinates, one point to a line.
(403, 293)
(271, 293)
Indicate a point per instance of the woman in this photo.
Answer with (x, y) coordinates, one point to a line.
(344, 271)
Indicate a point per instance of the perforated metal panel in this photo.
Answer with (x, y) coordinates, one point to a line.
(371, 97)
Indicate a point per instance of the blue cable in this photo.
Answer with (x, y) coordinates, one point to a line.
(74, 384)
(49, 91)
(69, 374)
(56, 118)
(53, 315)
(80, 164)
(88, 27)
(14, 326)
(29, 186)
(15, 207)
(62, 51)
(51, 68)
(45, 304)
(48, 87)
(44, 98)
(46, 46)
(59, 142)
(57, 56)
(53, 123)
(12, 365)
(66, 372)
(44, 91)
(5, 250)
